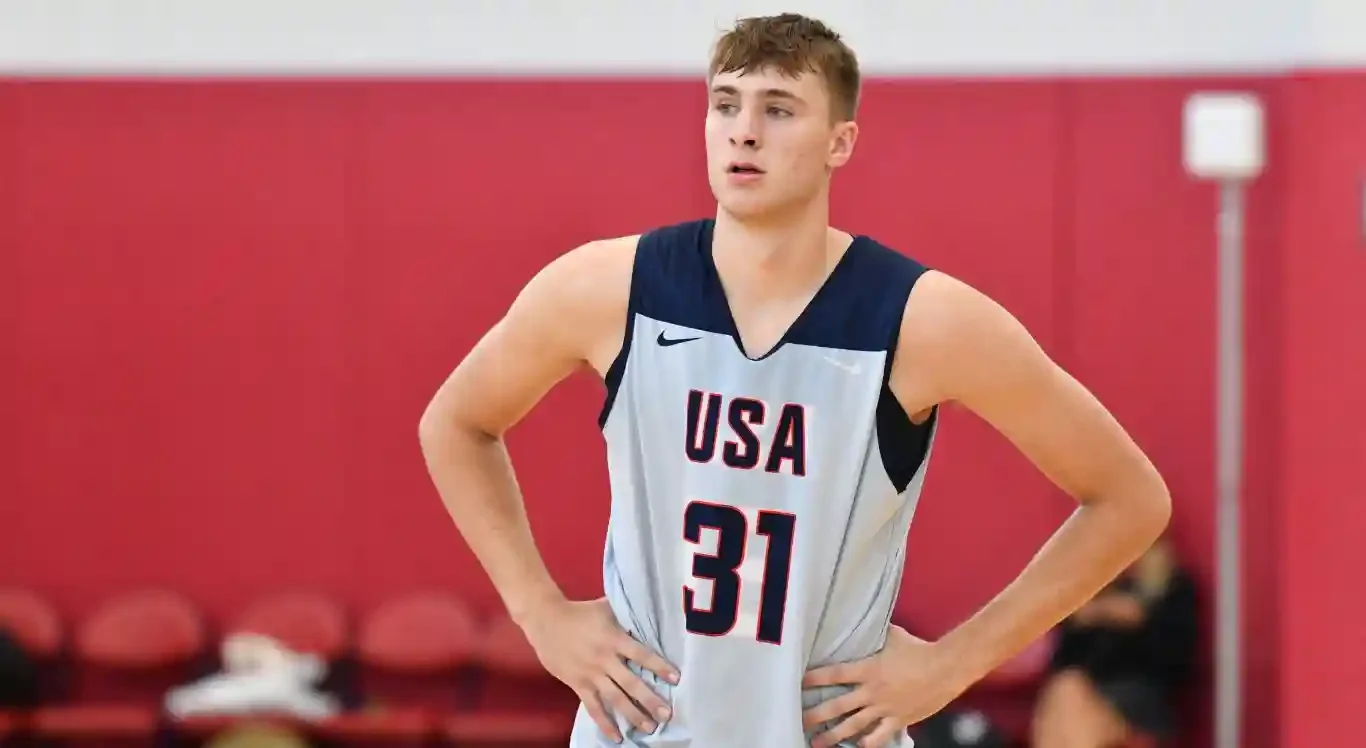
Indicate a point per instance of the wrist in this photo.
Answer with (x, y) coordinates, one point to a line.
(965, 660)
(529, 605)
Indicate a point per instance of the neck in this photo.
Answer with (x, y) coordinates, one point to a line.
(777, 255)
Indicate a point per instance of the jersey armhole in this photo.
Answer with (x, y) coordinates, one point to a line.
(612, 379)
(904, 444)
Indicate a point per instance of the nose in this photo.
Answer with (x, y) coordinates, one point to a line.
(746, 132)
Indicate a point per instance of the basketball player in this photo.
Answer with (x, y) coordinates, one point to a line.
(773, 386)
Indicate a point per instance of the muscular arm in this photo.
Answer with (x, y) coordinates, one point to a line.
(573, 312)
(957, 345)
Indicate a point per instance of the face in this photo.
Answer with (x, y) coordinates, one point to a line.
(771, 141)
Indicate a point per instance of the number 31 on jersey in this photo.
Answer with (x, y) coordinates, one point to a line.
(722, 569)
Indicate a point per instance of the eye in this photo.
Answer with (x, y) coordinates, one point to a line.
(724, 107)
(774, 111)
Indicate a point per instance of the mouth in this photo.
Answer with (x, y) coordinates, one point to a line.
(740, 167)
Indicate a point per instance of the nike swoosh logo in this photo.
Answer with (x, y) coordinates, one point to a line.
(673, 341)
(851, 368)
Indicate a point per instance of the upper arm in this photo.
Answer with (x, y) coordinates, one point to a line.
(571, 313)
(958, 345)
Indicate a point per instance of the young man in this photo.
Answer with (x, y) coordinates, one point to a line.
(772, 392)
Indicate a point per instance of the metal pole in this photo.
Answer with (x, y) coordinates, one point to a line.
(1229, 465)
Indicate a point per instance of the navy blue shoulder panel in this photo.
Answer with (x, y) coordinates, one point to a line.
(668, 280)
(675, 279)
(862, 302)
(877, 283)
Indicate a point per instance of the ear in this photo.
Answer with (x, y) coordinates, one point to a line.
(842, 139)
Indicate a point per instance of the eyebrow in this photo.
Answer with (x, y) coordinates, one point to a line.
(770, 93)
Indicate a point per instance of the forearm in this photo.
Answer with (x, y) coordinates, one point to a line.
(1087, 552)
(474, 477)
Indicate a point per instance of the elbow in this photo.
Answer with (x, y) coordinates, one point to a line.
(1152, 505)
(436, 426)
(441, 425)
(428, 430)
(1137, 501)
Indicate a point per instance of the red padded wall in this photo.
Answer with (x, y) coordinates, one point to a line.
(1323, 652)
(10, 505)
(225, 304)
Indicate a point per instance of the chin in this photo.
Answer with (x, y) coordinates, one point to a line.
(744, 206)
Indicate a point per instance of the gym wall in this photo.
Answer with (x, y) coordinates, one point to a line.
(241, 245)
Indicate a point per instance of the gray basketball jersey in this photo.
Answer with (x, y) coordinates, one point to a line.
(760, 507)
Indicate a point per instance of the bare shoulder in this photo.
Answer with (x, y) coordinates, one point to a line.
(950, 331)
(958, 345)
(580, 298)
(570, 313)
(589, 278)
(600, 266)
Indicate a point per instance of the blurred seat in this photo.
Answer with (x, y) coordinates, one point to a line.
(520, 703)
(37, 629)
(422, 633)
(408, 648)
(32, 621)
(505, 650)
(305, 622)
(543, 728)
(135, 634)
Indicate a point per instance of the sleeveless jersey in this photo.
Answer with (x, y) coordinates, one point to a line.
(760, 506)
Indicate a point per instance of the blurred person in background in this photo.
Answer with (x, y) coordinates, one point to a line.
(1122, 659)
